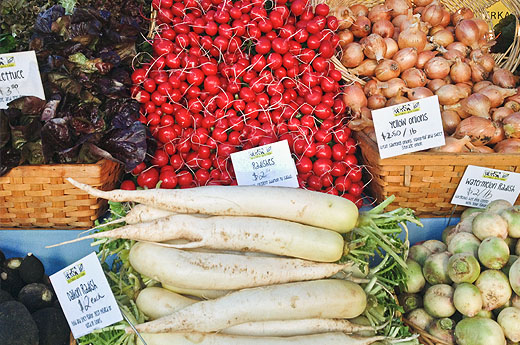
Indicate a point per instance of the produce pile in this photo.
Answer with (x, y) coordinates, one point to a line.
(252, 265)
(84, 59)
(29, 311)
(465, 289)
(233, 75)
(405, 53)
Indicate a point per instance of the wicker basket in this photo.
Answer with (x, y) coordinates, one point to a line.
(509, 60)
(424, 181)
(37, 196)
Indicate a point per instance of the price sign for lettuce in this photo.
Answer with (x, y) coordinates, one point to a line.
(19, 76)
(85, 296)
(480, 185)
(268, 165)
(408, 127)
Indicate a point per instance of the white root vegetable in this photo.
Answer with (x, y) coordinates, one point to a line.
(334, 338)
(255, 234)
(290, 328)
(200, 293)
(156, 302)
(294, 204)
(200, 270)
(327, 298)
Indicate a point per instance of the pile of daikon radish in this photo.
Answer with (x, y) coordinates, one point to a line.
(256, 265)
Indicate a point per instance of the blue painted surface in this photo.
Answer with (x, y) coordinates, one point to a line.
(19, 242)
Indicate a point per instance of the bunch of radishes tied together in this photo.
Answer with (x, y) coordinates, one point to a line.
(228, 76)
(260, 265)
(473, 279)
(407, 52)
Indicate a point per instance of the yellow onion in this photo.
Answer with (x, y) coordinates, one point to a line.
(512, 126)
(460, 72)
(423, 57)
(435, 84)
(464, 49)
(467, 31)
(414, 77)
(372, 87)
(498, 114)
(437, 68)
(504, 78)
(442, 38)
(481, 85)
(396, 100)
(374, 47)
(397, 7)
(433, 14)
(416, 93)
(378, 13)
(412, 37)
(376, 102)
(345, 37)
(449, 94)
(477, 105)
(499, 135)
(453, 145)
(361, 27)
(392, 87)
(366, 68)
(461, 13)
(384, 28)
(387, 69)
(508, 146)
(354, 97)
(352, 55)
(478, 129)
(406, 58)
(497, 94)
(450, 121)
(391, 47)
(359, 10)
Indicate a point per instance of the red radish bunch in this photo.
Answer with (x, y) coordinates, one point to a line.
(232, 75)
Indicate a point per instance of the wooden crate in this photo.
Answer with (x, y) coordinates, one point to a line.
(424, 181)
(37, 196)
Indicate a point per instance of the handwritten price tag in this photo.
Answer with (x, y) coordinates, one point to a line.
(85, 296)
(480, 185)
(268, 165)
(408, 127)
(19, 76)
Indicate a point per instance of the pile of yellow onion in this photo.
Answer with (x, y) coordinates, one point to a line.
(407, 52)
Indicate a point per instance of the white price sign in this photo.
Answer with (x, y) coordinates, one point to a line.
(480, 185)
(19, 76)
(268, 165)
(408, 127)
(85, 296)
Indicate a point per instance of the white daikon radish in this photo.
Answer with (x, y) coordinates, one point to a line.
(203, 270)
(255, 234)
(294, 204)
(327, 298)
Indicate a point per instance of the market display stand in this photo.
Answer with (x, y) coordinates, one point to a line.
(16, 242)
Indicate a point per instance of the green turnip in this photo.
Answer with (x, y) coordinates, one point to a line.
(410, 301)
(479, 331)
(512, 217)
(443, 329)
(510, 262)
(420, 318)
(415, 279)
(419, 253)
(438, 301)
(469, 211)
(495, 289)
(488, 314)
(464, 242)
(487, 224)
(515, 301)
(514, 276)
(467, 299)
(456, 230)
(435, 246)
(498, 205)
(511, 243)
(435, 269)
(446, 232)
(463, 268)
(509, 319)
(493, 253)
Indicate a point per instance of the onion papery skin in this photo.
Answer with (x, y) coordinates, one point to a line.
(478, 129)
